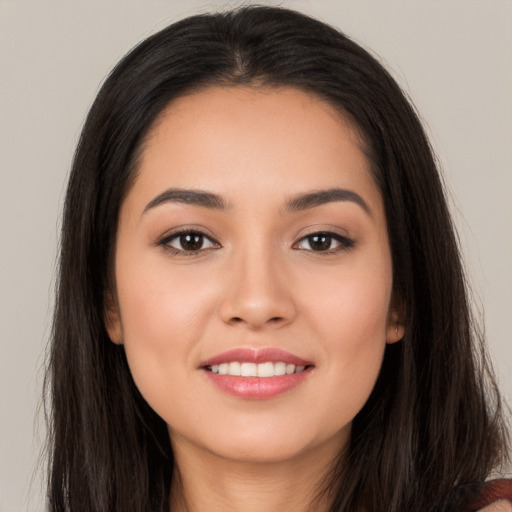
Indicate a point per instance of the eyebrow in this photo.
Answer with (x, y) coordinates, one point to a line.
(295, 204)
(317, 198)
(193, 197)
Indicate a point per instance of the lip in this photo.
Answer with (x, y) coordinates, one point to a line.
(256, 388)
(250, 355)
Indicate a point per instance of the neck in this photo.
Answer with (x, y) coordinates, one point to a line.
(204, 481)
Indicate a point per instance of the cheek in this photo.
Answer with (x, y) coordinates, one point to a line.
(159, 305)
(350, 316)
(163, 316)
(351, 305)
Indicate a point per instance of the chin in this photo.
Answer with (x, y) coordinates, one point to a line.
(269, 443)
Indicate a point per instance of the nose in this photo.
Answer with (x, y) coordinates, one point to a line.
(258, 292)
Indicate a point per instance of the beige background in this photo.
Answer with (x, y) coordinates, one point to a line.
(453, 57)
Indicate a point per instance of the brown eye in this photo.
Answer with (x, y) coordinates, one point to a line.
(320, 242)
(325, 242)
(191, 241)
(188, 242)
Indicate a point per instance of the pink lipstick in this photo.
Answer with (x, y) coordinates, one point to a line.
(256, 374)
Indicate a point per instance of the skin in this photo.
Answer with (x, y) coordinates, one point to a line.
(498, 506)
(256, 282)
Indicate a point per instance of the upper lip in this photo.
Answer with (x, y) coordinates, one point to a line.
(251, 355)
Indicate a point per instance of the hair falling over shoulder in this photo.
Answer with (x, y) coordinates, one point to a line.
(434, 426)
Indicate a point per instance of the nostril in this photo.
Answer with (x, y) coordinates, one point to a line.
(273, 320)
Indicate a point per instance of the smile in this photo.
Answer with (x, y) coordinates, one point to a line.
(253, 374)
(267, 369)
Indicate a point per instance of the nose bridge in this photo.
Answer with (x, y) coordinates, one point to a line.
(256, 293)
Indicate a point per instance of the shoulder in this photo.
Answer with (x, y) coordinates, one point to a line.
(495, 496)
(498, 506)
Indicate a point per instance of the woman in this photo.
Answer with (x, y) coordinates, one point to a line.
(261, 304)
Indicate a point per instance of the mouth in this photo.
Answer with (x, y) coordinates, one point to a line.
(256, 374)
(263, 370)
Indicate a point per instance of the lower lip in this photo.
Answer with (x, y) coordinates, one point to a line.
(256, 388)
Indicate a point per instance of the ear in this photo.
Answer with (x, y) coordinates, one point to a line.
(395, 329)
(112, 319)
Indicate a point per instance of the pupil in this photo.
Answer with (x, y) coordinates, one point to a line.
(320, 242)
(191, 241)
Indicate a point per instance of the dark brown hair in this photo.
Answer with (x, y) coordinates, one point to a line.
(433, 424)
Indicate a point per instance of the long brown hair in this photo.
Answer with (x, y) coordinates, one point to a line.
(433, 425)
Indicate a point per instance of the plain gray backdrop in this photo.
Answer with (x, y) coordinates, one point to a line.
(453, 57)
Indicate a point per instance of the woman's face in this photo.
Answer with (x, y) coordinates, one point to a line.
(254, 242)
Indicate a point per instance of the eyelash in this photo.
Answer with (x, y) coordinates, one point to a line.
(343, 242)
(165, 242)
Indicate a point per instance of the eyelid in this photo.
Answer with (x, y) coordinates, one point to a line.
(321, 228)
(345, 242)
(338, 234)
(164, 240)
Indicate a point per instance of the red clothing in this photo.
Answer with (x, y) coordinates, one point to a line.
(493, 491)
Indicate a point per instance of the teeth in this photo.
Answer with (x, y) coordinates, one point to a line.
(268, 369)
(249, 370)
(234, 368)
(280, 368)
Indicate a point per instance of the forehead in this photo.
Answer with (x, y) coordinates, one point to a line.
(243, 140)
